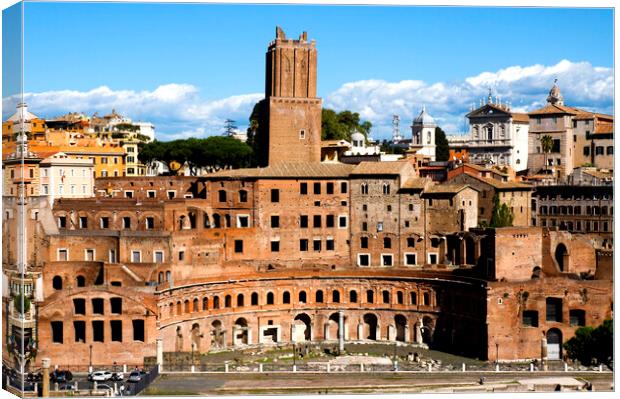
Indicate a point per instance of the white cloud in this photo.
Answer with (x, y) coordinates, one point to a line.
(178, 110)
(525, 87)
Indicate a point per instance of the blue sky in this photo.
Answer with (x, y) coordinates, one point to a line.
(187, 67)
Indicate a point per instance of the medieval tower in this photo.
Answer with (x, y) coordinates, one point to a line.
(294, 111)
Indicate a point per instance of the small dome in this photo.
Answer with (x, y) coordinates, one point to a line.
(424, 118)
(357, 136)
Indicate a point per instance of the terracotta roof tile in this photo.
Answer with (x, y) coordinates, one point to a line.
(555, 109)
(380, 168)
(280, 170)
(447, 188)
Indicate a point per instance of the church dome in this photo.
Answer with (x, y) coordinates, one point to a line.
(424, 118)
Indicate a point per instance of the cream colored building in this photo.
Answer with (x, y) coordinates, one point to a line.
(62, 176)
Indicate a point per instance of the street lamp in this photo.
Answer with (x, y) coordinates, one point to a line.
(90, 356)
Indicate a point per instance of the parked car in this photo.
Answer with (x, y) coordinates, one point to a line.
(100, 376)
(105, 387)
(118, 376)
(61, 376)
(135, 376)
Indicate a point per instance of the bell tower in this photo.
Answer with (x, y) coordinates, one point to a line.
(294, 111)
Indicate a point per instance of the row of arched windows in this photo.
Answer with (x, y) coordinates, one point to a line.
(302, 297)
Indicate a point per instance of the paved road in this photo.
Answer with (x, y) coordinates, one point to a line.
(289, 383)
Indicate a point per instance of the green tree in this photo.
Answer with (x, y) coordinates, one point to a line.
(19, 300)
(442, 151)
(501, 217)
(257, 133)
(546, 142)
(340, 126)
(592, 345)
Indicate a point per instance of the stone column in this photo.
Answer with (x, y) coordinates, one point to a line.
(341, 330)
(543, 353)
(160, 353)
(407, 333)
(418, 331)
(391, 333)
(360, 331)
(45, 365)
(249, 335)
(326, 331)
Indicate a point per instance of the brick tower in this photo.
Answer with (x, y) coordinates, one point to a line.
(294, 111)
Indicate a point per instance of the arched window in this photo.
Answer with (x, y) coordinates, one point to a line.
(386, 188)
(254, 299)
(302, 296)
(195, 305)
(171, 309)
(179, 308)
(227, 301)
(168, 275)
(414, 298)
(240, 300)
(336, 296)
(319, 296)
(57, 283)
(286, 297)
(160, 277)
(205, 303)
(270, 298)
(370, 296)
(426, 299)
(353, 296)
(216, 302)
(80, 281)
(364, 188)
(386, 296)
(400, 297)
(186, 306)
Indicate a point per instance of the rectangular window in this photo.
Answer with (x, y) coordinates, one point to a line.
(98, 330)
(363, 259)
(329, 244)
(151, 193)
(530, 318)
(150, 223)
(363, 242)
(97, 305)
(116, 327)
(238, 246)
(317, 188)
(410, 259)
(62, 222)
(600, 150)
(303, 245)
(158, 256)
(136, 256)
(275, 195)
(303, 221)
(329, 189)
(344, 187)
(329, 221)
(79, 327)
(126, 222)
(577, 317)
(386, 260)
(275, 221)
(275, 246)
(342, 222)
(138, 330)
(364, 226)
(63, 255)
(112, 256)
(56, 332)
(303, 188)
(79, 306)
(316, 221)
(243, 221)
(181, 255)
(128, 194)
(116, 305)
(104, 223)
(46, 189)
(554, 309)
(586, 151)
(316, 245)
(89, 255)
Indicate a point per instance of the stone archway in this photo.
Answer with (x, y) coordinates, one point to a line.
(427, 330)
(196, 335)
(333, 327)
(218, 335)
(370, 327)
(241, 334)
(400, 322)
(562, 257)
(554, 344)
(302, 328)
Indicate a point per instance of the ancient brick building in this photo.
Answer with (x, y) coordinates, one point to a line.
(297, 251)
